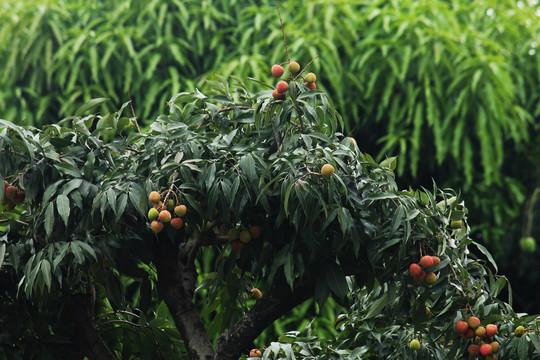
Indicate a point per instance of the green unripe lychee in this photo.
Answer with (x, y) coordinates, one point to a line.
(414, 344)
(164, 216)
(170, 205)
(176, 223)
(520, 331)
(495, 346)
(327, 170)
(310, 78)
(153, 214)
(527, 244)
(245, 236)
(156, 226)
(480, 331)
(232, 234)
(456, 224)
(431, 278)
(473, 322)
(293, 67)
(282, 87)
(277, 71)
(180, 210)
(154, 197)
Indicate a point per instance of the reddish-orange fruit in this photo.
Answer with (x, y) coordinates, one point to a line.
(11, 192)
(255, 353)
(462, 327)
(244, 236)
(327, 170)
(255, 231)
(480, 331)
(19, 198)
(311, 86)
(277, 95)
(294, 67)
(255, 294)
(495, 346)
(469, 334)
(310, 78)
(154, 197)
(473, 322)
(486, 349)
(415, 270)
(156, 226)
(431, 278)
(436, 260)
(180, 210)
(473, 349)
(164, 216)
(420, 277)
(176, 223)
(491, 330)
(237, 245)
(282, 87)
(426, 262)
(277, 71)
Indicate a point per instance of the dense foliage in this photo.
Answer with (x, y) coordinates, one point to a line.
(83, 274)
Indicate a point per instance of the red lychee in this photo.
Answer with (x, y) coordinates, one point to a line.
(282, 87)
(415, 270)
(180, 210)
(473, 322)
(255, 231)
(154, 197)
(436, 260)
(176, 223)
(156, 226)
(426, 262)
(164, 216)
(473, 349)
(462, 327)
(486, 349)
(277, 71)
(311, 86)
(491, 330)
(278, 96)
(255, 294)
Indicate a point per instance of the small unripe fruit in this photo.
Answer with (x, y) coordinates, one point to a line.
(11, 192)
(469, 334)
(311, 86)
(310, 78)
(491, 330)
(277, 71)
(237, 245)
(473, 349)
(176, 223)
(255, 353)
(473, 322)
(456, 224)
(170, 205)
(426, 262)
(462, 327)
(415, 270)
(19, 198)
(153, 214)
(232, 234)
(495, 346)
(436, 260)
(420, 277)
(165, 216)
(486, 349)
(282, 87)
(294, 67)
(480, 331)
(244, 236)
(156, 226)
(255, 231)
(528, 244)
(327, 170)
(154, 197)
(180, 210)
(431, 278)
(277, 95)
(255, 294)
(353, 142)
(520, 330)
(414, 344)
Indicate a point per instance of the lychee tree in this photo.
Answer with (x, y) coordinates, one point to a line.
(280, 202)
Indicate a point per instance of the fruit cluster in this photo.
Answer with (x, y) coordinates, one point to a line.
(419, 273)
(282, 86)
(12, 196)
(240, 238)
(160, 213)
(484, 342)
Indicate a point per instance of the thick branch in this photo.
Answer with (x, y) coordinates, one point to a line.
(175, 285)
(278, 301)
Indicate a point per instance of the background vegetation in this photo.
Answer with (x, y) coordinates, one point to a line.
(451, 87)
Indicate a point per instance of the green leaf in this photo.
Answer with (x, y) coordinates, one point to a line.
(49, 219)
(336, 280)
(63, 206)
(2, 254)
(46, 273)
(91, 104)
(487, 254)
(377, 306)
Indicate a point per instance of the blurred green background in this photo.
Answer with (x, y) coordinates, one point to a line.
(450, 86)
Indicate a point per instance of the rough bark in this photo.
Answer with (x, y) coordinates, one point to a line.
(176, 283)
(278, 300)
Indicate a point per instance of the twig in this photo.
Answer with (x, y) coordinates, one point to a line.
(133, 112)
(305, 68)
(283, 31)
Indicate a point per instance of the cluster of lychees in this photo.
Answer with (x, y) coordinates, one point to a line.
(12, 196)
(419, 273)
(484, 342)
(282, 86)
(238, 237)
(162, 213)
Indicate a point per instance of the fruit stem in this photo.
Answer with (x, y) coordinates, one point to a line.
(283, 31)
(133, 112)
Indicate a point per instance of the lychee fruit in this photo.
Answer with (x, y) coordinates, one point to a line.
(255, 294)
(469, 334)
(311, 86)
(176, 223)
(415, 270)
(480, 331)
(232, 234)
(255, 353)
(520, 330)
(473, 322)
(327, 170)
(352, 142)
(158, 206)
(244, 236)
(165, 216)
(495, 346)
(414, 344)
(11, 192)
(277, 71)
(420, 277)
(237, 245)
(180, 210)
(255, 231)
(491, 330)
(426, 262)
(19, 198)
(282, 87)
(170, 205)
(278, 96)
(462, 327)
(310, 78)
(431, 278)
(154, 197)
(486, 349)
(473, 349)
(294, 67)
(456, 224)
(156, 226)
(153, 214)
(436, 260)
